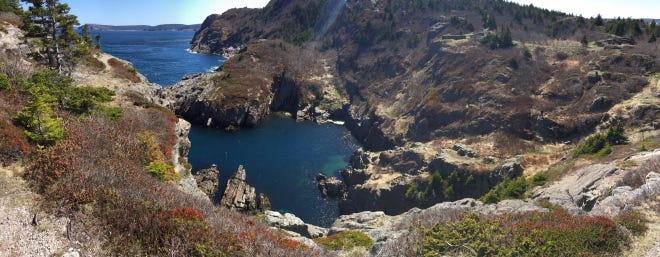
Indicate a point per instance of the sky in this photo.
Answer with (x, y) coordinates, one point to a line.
(154, 12)
(606, 8)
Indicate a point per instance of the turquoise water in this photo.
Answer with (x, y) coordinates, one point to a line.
(281, 157)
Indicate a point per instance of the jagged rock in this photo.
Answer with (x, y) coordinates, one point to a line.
(71, 253)
(354, 176)
(510, 169)
(463, 150)
(292, 223)
(404, 160)
(238, 194)
(330, 186)
(264, 202)
(359, 159)
(208, 180)
(601, 103)
(503, 77)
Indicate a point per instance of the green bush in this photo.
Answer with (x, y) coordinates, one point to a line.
(555, 233)
(601, 144)
(5, 82)
(634, 221)
(346, 240)
(513, 188)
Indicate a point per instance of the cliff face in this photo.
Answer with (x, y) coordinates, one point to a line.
(402, 73)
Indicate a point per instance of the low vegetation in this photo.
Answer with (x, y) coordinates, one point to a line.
(124, 70)
(345, 241)
(441, 187)
(601, 144)
(554, 233)
(514, 188)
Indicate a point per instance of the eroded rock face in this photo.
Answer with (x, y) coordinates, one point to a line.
(239, 195)
(208, 180)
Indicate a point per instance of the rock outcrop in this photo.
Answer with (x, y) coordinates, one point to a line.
(208, 180)
(330, 186)
(294, 224)
(239, 195)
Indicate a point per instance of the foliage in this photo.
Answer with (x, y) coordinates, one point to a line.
(555, 233)
(156, 163)
(10, 6)
(500, 40)
(634, 221)
(513, 188)
(345, 240)
(60, 46)
(124, 70)
(5, 82)
(601, 144)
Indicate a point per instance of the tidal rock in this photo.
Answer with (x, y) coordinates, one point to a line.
(330, 186)
(208, 180)
(292, 223)
(239, 195)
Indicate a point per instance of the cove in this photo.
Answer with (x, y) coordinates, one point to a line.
(281, 157)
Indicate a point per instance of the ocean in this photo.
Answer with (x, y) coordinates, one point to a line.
(281, 156)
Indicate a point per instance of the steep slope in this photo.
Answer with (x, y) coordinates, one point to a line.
(502, 78)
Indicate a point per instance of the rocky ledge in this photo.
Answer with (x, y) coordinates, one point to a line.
(208, 180)
(239, 195)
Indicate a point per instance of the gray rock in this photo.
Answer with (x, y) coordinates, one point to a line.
(359, 159)
(71, 253)
(354, 176)
(294, 224)
(238, 194)
(208, 180)
(621, 190)
(503, 77)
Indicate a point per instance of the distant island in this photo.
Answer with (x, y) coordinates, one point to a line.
(170, 27)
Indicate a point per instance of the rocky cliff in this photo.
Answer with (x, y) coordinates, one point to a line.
(239, 195)
(432, 78)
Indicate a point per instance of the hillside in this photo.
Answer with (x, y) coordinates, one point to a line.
(503, 79)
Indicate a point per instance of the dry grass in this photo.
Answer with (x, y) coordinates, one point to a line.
(124, 70)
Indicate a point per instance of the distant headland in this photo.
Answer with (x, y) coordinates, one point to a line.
(170, 27)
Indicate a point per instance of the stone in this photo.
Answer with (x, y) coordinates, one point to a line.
(208, 180)
(359, 159)
(601, 103)
(354, 176)
(330, 186)
(503, 77)
(238, 194)
(294, 224)
(463, 150)
(594, 78)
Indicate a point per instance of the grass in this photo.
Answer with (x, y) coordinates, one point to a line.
(124, 70)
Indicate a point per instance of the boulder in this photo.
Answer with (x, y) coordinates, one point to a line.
(463, 150)
(593, 78)
(330, 186)
(292, 223)
(601, 103)
(208, 180)
(359, 159)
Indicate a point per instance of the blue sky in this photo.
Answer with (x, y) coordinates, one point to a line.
(153, 12)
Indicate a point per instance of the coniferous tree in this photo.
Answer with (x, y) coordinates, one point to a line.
(584, 41)
(599, 20)
(87, 37)
(50, 21)
(10, 6)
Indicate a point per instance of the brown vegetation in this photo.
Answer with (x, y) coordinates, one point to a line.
(124, 70)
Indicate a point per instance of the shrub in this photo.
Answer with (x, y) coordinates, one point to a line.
(555, 233)
(513, 188)
(634, 221)
(601, 144)
(124, 70)
(345, 240)
(5, 82)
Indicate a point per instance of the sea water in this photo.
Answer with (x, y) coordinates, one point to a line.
(281, 156)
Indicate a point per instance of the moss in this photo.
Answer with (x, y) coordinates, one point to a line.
(345, 241)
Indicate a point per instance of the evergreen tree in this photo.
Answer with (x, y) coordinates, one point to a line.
(50, 21)
(10, 6)
(653, 38)
(584, 41)
(599, 20)
(98, 41)
(87, 37)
